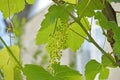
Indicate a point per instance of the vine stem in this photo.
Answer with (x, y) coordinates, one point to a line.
(11, 53)
(77, 20)
(91, 39)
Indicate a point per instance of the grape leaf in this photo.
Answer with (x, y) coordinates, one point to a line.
(47, 27)
(43, 35)
(88, 7)
(104, 23)
(35, 72)
(30, 1)
(10, 7)
(102, 20)
(116, 46)
(18, 26)
(104, 72)
(54, 13)
(107, 62)
(62, 72)
(114, 0)
(48, 24)
(110, 25)
(71, 1)
(7, 63)
(15, 6)
(17, 74)
(8, 72)
(74, 40)
(91, 69)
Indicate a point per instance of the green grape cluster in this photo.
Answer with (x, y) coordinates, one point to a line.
(57, 42)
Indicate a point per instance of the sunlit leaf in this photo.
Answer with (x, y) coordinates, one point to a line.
(30, 1)
(48, 24)
(10, 7)
(8, 72)
(74, 40)
(71, 1)
(43, 35)
(7, 63)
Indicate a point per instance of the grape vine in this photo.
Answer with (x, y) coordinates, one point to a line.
(65, 26)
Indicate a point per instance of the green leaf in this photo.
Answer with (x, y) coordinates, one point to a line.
(91, 69)
(104, 73)
(18, 26)
(17, 74)
(116, 46)
(114, 0)
(71, 1)
(30, 1)
(8, 72)
(7, 63)
(102, 20)
(104, 23)
(88, 7)
(34, 72)
(54, 13)
(15, 6)
(107, 62)
(48, 24)
(74, 40)
(110, 25)
(43, 35)
(10, 7)
(62, 72)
